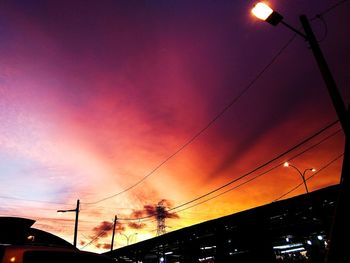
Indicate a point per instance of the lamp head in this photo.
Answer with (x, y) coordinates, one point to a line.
(266, 13)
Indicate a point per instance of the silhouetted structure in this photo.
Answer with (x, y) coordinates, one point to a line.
(291, 230)
(19, 231)
(20, 243)
(160, 215)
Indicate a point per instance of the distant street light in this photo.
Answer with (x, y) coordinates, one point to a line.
(76, 210)
(338, 250)
(302, 174)
(128, 238)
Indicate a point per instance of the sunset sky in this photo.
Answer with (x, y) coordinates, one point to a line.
(123, 104)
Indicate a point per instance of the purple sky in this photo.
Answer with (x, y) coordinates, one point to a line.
(95, 96)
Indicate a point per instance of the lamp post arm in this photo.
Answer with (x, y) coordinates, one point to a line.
(127, 238)
(304, 180)
(294, 29)
(76, 210)
(64, 211)
(296, 168)
(334, 93)
(302, 176)
(131, 236)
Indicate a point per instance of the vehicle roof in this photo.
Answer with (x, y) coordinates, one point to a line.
(17, 230)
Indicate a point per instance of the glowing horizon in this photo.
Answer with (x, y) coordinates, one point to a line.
(122, 105)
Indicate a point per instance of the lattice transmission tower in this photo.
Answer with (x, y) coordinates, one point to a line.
(161, 214)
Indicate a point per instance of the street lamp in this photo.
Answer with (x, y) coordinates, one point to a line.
(302, 174)
(266, 13)
(128, 237)
(76, 210)
(338, 250)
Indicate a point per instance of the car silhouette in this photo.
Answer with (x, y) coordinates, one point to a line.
(20, 243)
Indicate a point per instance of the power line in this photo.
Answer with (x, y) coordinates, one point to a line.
(204, 129)
(259, 175)
(260, 166)
(220, 114)
(324, 167)
(331, 8)
(104, 230)
(94, 239)
(253, 170)
(31, 200)
(209, 124)
(243, 183)
(20, 206)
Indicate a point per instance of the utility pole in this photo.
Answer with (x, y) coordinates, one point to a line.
(76, 210)
(327, 76)
(115, 222)
(76, 223)
(338, 249)
(340, 229)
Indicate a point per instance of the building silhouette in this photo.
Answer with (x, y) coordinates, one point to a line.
(19, 231)
(291, 230)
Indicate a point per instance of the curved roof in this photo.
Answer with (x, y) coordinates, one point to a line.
(18, 230)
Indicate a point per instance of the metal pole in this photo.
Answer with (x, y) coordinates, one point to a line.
(76, 223)
(333, 91)
(303, 176)
(115, 222)
(338, 250)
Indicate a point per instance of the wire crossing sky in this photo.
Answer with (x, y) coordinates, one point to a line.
(123, 104)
